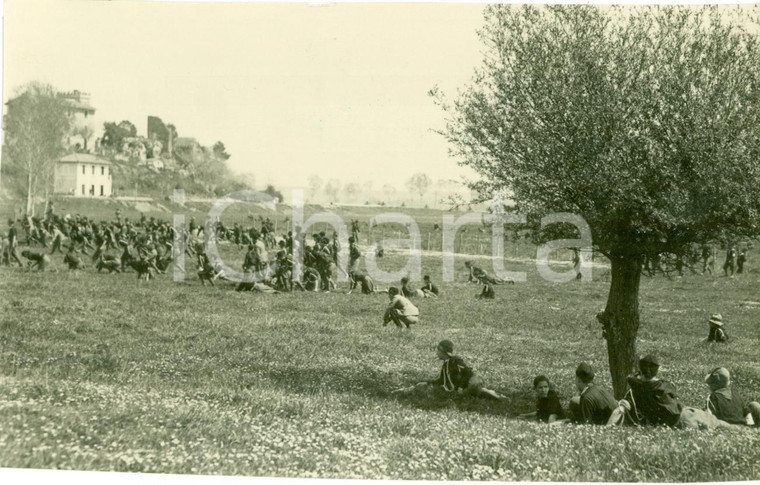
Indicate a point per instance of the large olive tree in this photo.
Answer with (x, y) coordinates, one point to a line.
(643, 120)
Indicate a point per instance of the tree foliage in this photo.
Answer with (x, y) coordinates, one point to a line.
(419, 183)
(115, 133)
(36, 126)
(643, 120)
(220, 151)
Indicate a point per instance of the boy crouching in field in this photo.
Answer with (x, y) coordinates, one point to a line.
(401, 311)
(38, 261)
(455, 376)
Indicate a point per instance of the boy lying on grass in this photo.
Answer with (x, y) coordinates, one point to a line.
(478, 275)
(456, 376)
(409, 292)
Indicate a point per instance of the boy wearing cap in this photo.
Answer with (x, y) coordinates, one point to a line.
(717, 333)
(401, 311)
(594, 404)
(728, 405)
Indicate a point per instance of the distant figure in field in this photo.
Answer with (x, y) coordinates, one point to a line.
(708, 260)
(401, 311)
(108, 262)
(310, 280)
(717, 332)
(478, 275)
(379, 251)
(408, 290)
(353, 253)
(741, 260)
(456, 376)
(728, 405)
(594, 404)
(72, 259)
(429, 288)
(487, 293)
(577, 263)
(366, 282)
(38, 261)
(653, 401)
(13, 243)
(548, 407)
(728, 265)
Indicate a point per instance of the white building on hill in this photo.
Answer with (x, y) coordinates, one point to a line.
(83, 175)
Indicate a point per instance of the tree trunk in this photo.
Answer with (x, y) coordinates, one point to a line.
(622, 319)
(29, 194)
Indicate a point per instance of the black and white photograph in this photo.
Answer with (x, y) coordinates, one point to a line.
(448, 242)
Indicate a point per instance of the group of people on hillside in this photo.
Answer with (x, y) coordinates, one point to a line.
(649, 399)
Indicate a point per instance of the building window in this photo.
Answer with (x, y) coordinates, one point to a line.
(82, 184)
(101, 191)
(93, 169)
(83, 169)
(92, 190)
(102, 170)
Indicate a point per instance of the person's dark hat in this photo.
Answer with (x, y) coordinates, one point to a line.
(446, 346)
(585, 372)
(650, 360)
(393, 291)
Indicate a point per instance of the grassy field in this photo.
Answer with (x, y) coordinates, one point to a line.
(99, 372)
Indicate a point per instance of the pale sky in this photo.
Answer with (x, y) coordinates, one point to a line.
(291, 89)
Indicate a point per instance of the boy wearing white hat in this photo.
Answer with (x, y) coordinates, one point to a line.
(717, 332)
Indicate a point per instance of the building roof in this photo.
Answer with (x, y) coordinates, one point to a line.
(83, 158)
(78, 105)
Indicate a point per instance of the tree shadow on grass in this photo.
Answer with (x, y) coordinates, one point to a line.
(379, 386)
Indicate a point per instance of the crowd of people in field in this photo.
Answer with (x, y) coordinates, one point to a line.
(146, 246)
